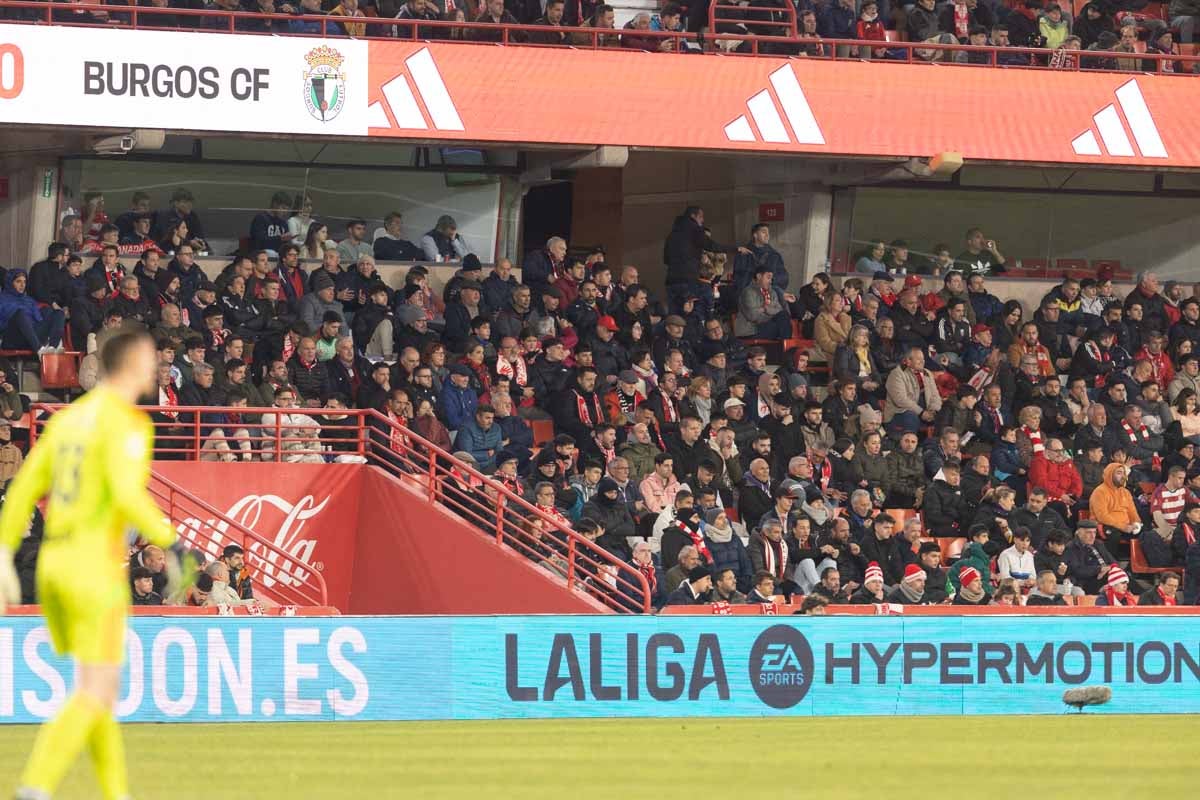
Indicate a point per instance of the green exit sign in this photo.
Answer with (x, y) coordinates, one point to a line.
(48, 183)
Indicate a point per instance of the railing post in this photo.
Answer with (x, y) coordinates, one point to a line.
(196, 434)
(570, 562)
(432, 478)
(501, 503)
(279, 438)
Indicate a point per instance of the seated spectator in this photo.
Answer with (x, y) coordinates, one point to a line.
(322, 299)
(355, 246)
(763, 309)
(444, 243)
(872, 590)
(1116, 590)
(943, 507)
(912, 395)
(971, 591)
(910, 590)
(289, 437)
(457, 400)
(693, 591)
(25, 325)
(1165, 593)
(1017, 561)
(269, 229)
(495, 13)
(142, 580)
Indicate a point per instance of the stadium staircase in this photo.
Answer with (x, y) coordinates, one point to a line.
(405, 530)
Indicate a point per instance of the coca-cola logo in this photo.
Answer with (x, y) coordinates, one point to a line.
(287, 561)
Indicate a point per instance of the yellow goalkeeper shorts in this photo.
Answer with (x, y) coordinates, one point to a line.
(86, 616)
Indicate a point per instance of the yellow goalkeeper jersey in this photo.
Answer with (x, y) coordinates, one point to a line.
(93, 459)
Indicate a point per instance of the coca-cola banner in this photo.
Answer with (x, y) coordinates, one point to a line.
(307, 512)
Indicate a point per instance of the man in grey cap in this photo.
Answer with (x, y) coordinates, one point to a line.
(674, 327)
(460, 313)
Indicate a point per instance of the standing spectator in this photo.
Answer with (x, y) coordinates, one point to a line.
(760, 253)
(685, 244)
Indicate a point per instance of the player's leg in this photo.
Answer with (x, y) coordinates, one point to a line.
(91, 627)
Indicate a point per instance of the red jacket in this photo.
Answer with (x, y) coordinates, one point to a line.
(1057, 479)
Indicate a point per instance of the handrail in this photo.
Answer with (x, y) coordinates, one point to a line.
(136, 17)
(377, 440)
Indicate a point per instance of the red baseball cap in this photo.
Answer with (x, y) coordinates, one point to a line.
(608, 322)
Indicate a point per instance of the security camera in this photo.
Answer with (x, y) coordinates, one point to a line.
(123, 143)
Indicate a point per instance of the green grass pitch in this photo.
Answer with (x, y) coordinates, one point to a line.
(1072, 756)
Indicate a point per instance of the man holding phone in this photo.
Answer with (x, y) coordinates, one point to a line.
(981, 256)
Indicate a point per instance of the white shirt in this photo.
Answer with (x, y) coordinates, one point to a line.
(1010, 561)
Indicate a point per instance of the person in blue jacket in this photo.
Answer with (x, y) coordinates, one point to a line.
(481, 437)
(458, 400)
(25, 326)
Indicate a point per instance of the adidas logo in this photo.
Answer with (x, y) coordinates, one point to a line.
(1112, 130)
(764, 110)
(402, 103)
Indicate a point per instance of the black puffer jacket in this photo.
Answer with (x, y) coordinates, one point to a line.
(686, 242)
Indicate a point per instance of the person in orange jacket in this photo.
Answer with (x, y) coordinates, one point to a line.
(1112, 505)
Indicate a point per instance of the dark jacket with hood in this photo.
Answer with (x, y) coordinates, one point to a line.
(1088, 30)
(11, 301)
(943, 509)
(612, 515)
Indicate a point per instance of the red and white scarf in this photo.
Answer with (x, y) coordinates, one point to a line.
(764, 406)
(670, 413)
(1035, 439)
(609, 453)
(513, 370)
(398, 438)
(1043, 358)
(649, 572)
(588, 416)
(554, 514)
(1189, 534)
(962, 21)
(823, 473)
(167, 397)
(1125, 598)
(1166, 601)
(1101, 356)
(696, 539)
(289, 347)
(774, 558)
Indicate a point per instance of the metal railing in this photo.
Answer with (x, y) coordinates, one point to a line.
(449, 31)
(293, 435)
(279, 576)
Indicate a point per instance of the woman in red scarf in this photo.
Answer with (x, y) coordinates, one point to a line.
(482, 380)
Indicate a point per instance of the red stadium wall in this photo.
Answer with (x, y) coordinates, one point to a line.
(380, 548)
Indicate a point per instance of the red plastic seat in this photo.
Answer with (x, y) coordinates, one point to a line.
(61, 370)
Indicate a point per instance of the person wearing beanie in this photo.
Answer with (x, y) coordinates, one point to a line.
(970, 591)
(695, 590)
(612, 513)
(313, 306)
(872, 589)
(937, 584)
(910, 591)
(726, 548)
(471, 271)
(1116, 591)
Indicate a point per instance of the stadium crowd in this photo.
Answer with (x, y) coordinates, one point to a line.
(735, 439)
(1120, 30)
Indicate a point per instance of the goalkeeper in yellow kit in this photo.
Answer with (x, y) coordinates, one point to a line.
(94, 462)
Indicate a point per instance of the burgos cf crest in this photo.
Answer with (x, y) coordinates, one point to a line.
(324, 83)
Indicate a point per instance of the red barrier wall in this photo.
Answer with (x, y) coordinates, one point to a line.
(417, 558)
(380, 547)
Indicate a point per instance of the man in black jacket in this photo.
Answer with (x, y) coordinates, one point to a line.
(685, 244)
(882, 547)
(1036, 516)
(1088, 560)
(944, 508)
(695, 590)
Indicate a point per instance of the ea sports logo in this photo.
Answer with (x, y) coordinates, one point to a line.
(781, 666)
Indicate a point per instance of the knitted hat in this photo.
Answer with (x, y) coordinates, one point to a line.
(711, 515)
(1116, 575)
(912, 572)
(698, 573)
(968, 575)
(322, 280)
(873, 573)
